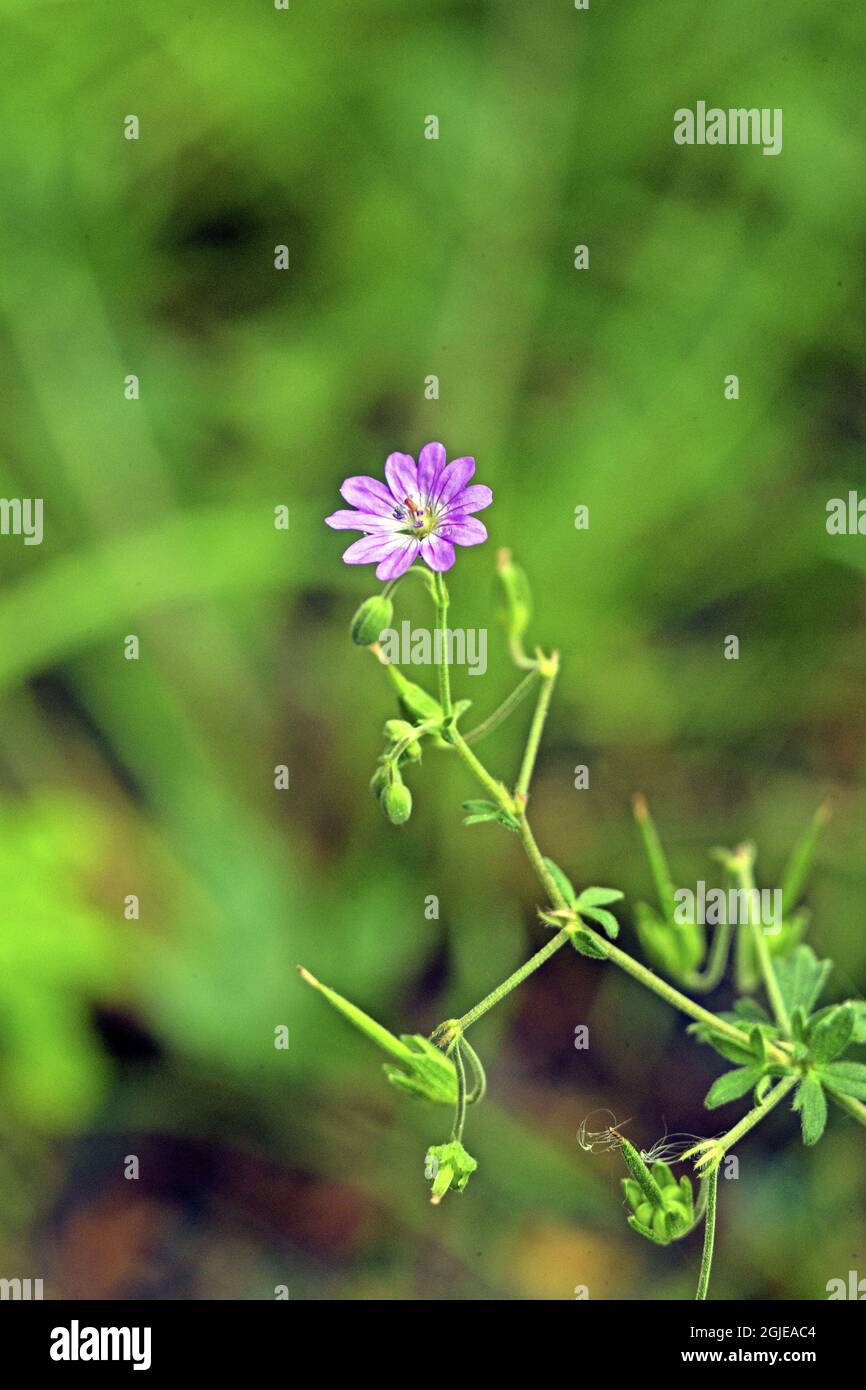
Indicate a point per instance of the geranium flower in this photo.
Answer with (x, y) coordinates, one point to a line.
(425, 511)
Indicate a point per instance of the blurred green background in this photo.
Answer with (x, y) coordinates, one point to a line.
(259, 388)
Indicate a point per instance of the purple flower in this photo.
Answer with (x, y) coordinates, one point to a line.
(425, 511)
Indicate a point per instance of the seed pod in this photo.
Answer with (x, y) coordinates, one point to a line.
(517, 608)
(372, 617)
(397, 802)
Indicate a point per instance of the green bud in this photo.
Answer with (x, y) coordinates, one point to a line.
(397, 802)
(372, 617)
(449, 1165)
(397, 729)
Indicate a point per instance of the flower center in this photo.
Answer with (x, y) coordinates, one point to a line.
(421, 520)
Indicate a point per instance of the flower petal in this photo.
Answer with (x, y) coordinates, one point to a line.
(431, 462)
(453, 478)
(471, 499)
(404, 552)
(462, 530)
(360, 521)
(368, 548)
(438, 552)
(402, 476)
(368, 495)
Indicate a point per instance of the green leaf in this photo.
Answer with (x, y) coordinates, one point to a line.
(763, 1087)
(599, 897)
(586, 945)
(562, 881)
(859, 1008)
(759, 1043)
(812, 1105)
(802, 977)
(605, 919)
(732, 1051)
(750, 1008)
(831, 1035)
(845, 1078)
(482, 811)
(732, 1086)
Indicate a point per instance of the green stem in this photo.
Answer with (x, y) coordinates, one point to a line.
(672, 996)
(418, 732)
(632, 967)
(706, 980)
(536, 859)
(741, 865)
(855, 1108)
(754, 1116)
(709, 1236)
(547, 671)
(441, 598)
(499, 715)
(479, 1083)
(517, 978)
(518, 655)
(460, 1109)
(497, 790)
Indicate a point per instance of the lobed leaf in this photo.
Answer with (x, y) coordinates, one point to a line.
(599, 897)
(829, 1037)
(845, 1078)
(812, 1105)
(801, 977)
(732, 1086)
(562, 881)
(604, 918)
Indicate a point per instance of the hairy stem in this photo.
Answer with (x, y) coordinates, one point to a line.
(855, 1108)
(754, 1116)
(704, 981)
(460, 1109)
(441, 597)
(709, 1236)
(742, 866)
(497, 790)
(515, 979)
(547, 671)
(632, 967)
(501, 713)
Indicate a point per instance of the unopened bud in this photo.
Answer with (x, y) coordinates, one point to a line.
(397, 802)
(374, 615)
